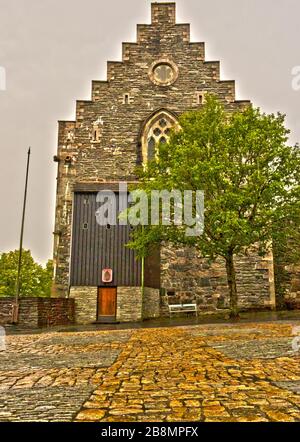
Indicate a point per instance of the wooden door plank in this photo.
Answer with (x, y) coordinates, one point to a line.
(107, 298)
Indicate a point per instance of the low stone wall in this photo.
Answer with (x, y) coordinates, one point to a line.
(29, 312)
(38, 312)
(5, 310)
(56, 311)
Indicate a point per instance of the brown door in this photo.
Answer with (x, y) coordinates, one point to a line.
(107, 304)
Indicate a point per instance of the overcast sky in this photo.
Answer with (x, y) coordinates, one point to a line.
(52, 49)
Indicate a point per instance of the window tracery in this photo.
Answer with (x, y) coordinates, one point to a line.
(156, 131)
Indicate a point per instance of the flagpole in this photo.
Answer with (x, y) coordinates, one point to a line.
(15, 312)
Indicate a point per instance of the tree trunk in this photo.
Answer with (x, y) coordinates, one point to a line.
(231, 280)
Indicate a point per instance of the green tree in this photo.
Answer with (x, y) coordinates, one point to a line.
(35, 280)
(249, 175)
(286, 255)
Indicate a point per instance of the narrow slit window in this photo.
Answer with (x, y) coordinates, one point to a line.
(127, 99)
(200, 98)
(151, 148)
(96, 132)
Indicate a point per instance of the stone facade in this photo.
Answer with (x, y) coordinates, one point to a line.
(38, 312)
(105, 143)
(288, 280)
(151, 303)
(287, 271)
(207, 286)
(129, 304)
(85, 304)
(293, 290)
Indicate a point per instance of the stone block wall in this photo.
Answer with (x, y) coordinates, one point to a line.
(129, 304)
(255, 282)
(114, 153)
(85, 304)
(5, 310)
(38, 312)
(151, 303)
(288, 280)
(56, 311)
(29, 312)
(186, 278)
(294, 287)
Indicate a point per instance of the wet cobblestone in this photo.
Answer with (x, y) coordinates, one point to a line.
(50, 404)
(267, 349)
(243, 372)
(83, 358)
(293, 386)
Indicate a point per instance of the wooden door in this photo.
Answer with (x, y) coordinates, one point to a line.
(107, 304)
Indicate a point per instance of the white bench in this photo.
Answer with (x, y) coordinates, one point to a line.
(183, 308)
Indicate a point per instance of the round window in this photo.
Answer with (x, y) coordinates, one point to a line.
(163, 73)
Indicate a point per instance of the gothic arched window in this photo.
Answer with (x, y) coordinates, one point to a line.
(157, 130)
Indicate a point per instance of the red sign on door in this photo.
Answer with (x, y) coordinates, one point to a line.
(107, 275)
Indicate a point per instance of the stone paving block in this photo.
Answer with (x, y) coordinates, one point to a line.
(48, 405)
(195, 373)
(291, 386)
(262, 349)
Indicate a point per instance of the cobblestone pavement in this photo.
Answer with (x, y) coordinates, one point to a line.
(244, 372)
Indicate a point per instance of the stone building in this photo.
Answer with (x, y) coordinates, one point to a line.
(160, 76)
